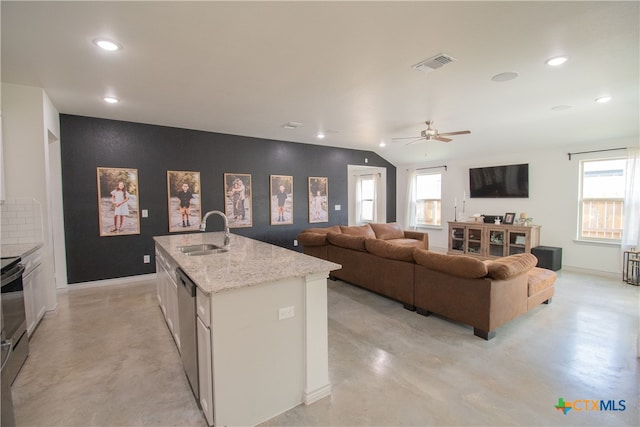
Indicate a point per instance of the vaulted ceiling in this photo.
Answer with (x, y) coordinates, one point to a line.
(341, 68)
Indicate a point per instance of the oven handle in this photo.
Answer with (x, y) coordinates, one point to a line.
(13, 274)
(6, 344)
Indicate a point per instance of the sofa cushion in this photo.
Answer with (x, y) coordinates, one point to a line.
(358, 230)
(457, 265)
(392, 230)
(323, 230)
(510, 266)
(347, 241)
(389, 250)
(539, 279)
(405, 242)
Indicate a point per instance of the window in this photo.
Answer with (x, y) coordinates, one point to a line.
(428, 199)
(367, 191)
(602, 200)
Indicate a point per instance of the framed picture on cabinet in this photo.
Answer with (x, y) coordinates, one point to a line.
(184, 200)
(509, 217)
(238, 199)
(118, 201)
(318, 199)
(281, 191)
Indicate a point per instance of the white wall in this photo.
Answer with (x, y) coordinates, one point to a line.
(29, 122)
(552, 202)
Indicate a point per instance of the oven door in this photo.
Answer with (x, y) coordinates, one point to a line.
(14, 323)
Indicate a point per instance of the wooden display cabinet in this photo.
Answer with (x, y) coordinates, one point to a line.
(491, 240)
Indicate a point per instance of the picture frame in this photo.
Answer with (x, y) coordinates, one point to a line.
(509, 217)
(318, 199)
(184, 201)
(118, 193)
(238, 204)
(281, 198)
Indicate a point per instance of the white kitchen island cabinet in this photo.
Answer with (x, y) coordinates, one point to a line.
(261, 323)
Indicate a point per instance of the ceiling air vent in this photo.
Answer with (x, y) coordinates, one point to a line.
(433, 63)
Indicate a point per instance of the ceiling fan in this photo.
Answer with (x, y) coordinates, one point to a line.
(430, 134)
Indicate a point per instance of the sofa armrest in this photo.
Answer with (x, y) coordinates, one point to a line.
(312, 239)
(510, 266)
(418, 235)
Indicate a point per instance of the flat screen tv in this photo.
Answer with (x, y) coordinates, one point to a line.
(499, 181)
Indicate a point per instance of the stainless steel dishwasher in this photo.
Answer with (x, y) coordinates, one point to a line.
(187, 324)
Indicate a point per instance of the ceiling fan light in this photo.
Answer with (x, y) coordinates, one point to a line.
(556, 61)
(107, 44)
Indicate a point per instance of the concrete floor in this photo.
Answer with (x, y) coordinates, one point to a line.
(106, 359)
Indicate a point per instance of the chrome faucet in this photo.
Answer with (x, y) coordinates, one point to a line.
(227, 235)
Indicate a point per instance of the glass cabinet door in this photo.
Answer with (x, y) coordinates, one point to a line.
(474, 240)
(496, 243)
(517, 242)
(457, 239)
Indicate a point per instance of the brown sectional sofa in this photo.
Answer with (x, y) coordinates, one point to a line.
(396, 263)
(378, 257)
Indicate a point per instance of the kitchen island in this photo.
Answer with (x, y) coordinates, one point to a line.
(261, 316)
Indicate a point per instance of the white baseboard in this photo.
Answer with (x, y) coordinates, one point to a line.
(317, 394)
(109, 282)
(606, 274)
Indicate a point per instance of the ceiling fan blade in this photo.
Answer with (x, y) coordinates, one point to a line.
(405, 137)
(461, 132)
(440, 138)
(414, 141)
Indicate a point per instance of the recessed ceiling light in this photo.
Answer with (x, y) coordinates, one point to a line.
(603, 99)
(111, 100)
(107, 44)
(505, 77)
(382, 144)
(320, 135)
(561, 107)
(558, 60)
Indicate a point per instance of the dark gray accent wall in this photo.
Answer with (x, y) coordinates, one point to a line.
(88, 143)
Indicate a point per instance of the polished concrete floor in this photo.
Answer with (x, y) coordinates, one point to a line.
(106, 359)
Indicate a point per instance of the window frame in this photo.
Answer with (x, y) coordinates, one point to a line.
(361, 180)
(607, 200)
(438, 201)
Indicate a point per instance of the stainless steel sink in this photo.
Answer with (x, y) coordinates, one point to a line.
(202, 249)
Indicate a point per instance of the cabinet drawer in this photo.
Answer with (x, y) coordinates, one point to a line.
(203, 307)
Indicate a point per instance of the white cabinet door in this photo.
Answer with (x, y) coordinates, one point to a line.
(205, 371)
(35, 291)
(29, 297)
(172, 308)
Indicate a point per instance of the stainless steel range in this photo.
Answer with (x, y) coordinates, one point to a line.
(15, 342)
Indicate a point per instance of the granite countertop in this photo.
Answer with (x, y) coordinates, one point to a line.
(248, 262)
(19, 249)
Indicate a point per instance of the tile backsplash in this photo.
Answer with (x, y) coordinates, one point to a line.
(21, 221)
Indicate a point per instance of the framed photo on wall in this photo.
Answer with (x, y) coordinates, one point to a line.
(118, 201)
(318, 199)
(237, 205)
(281, 191)
(184, 200)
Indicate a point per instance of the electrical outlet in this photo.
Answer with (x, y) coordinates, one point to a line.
(147, 259)
(338, 207)
(295, 242)
(145, 213)
(285, 313)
